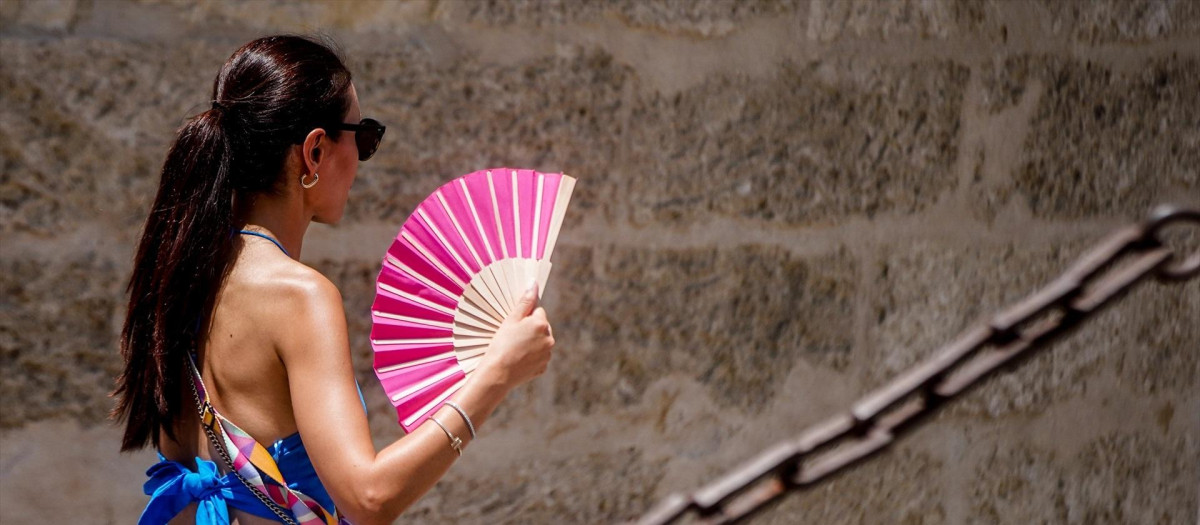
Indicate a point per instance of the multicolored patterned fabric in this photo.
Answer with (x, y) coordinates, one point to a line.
(252, 461)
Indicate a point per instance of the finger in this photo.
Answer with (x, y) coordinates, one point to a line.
(525, 304)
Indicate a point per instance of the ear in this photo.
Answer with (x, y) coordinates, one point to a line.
(311, 151)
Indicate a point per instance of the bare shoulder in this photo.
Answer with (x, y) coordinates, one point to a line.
(284, 294)
(303, 288)
(315, 332)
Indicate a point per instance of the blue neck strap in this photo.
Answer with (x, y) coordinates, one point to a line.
(267, 237)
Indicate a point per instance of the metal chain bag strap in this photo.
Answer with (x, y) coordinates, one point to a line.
(253, 465)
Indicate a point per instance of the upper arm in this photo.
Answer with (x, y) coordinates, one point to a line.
(314, 347)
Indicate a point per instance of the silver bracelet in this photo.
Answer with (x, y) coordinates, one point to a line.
(455, 443)
(463, 413)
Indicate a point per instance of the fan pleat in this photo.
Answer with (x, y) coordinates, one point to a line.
(435, 251)
(502, 200)
(525, 197)
(389, 303)
(422, 409)
(396, 356)
(479, 199)
(450, 232)
(405, 381)
(453, 197)
(403, 250)
(386, 330)
(409, 285)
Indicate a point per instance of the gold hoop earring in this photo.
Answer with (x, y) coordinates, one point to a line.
(307, 185)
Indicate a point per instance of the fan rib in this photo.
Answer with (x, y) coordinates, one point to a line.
(499, 293)
(465, 330)
(516, 212)
(474, 311)
(476, 300)
(565, 188)
(537, 215)
(427, 341)
(484, 323)
(417, 320)
(481, 290)
(500, 269)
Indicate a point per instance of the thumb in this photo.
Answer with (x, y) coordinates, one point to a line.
(526, 304)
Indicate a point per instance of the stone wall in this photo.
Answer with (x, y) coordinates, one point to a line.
(781, 204)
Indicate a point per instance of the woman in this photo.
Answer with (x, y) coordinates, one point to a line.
(217, 283)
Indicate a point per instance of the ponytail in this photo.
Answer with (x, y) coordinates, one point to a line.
(175, 278)
(269, 94)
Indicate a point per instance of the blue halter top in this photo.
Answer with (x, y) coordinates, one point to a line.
(173, 486)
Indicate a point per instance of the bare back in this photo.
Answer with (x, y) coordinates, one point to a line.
(239, 360)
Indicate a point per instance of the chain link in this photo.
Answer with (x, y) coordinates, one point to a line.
(206, 409)
(1100, 276)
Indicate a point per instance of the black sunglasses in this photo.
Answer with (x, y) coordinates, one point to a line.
(367, 134)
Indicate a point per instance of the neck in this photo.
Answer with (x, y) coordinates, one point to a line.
(280, 216)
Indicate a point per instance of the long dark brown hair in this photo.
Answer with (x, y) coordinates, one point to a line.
(266, 98)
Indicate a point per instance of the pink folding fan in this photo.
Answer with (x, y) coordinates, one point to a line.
(455, 270)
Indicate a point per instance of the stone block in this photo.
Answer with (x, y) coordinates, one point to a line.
(812, 144)
(1017, 483)
(703, 18)
(78, 457)
(1134, 478)
(929, 293)
(735, 320)
(1104, 142)
(52, 16)
(1118, 478)
(561, 113)
(595, 487)
(85, 126)
(1004, 80)
(1110, 21)
(59, 338)
(829, 20)
(899, 487)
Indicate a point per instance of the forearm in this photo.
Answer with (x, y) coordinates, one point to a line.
(405, 470)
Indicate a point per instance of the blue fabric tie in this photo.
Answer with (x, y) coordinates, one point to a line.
(172, 487)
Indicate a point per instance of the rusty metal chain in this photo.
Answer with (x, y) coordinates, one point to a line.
(1112, 267)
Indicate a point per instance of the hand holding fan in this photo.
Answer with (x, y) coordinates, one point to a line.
(454, 272)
